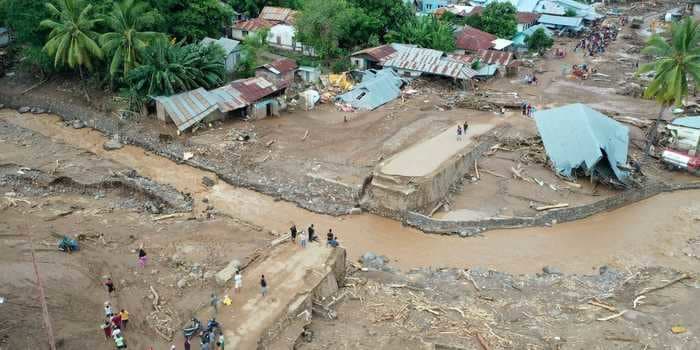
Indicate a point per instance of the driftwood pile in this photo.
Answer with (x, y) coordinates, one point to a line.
(490, 101)
(531, 149)
(162, 319)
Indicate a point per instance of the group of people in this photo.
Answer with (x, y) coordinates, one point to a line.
(311, 236)
(210, 338)
(527, 109)
(462, 129)
(596, 41)
(114, 324)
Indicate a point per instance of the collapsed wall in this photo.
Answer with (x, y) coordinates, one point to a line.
(420, 177)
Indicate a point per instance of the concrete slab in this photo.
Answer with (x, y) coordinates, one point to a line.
(425, 157)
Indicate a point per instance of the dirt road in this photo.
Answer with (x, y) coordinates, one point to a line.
(574, 247)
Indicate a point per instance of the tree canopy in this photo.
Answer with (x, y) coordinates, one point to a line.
(539, 41)
(425, 31)
(72, 40)
(24, 16)
(387, 14)
(499, 19)
(193, 19)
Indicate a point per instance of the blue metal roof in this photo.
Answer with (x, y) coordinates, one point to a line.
(577, 136)
(688, 122)
(376, 89)
(561, 21)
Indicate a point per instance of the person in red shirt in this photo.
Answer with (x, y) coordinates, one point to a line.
(107, 329)
(117, 321)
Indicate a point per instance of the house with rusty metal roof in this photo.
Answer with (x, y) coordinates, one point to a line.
(241, 29)
(279, 71)
(253, 98)
(277, 14)
(470, 39)
(370, 57)
(416, 61)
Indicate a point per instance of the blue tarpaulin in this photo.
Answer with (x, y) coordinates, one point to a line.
(577, 136)
(377, 88)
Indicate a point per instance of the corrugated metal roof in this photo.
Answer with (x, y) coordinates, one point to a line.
(561, 21)
(376, 89)
(228, 98)
(277, 14)
(472, 39)
(377, 53)
(254, 24)
(282, 66)
(253, 89)
(502, 58)
(430, 62)
(229, 45)
(688, 122)
(189, 107)
(577, 136)
(527, 17)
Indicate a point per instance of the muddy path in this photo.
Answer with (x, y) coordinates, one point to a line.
(649, 232)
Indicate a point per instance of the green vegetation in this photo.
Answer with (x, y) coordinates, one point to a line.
(252, 8)
(539, 41)
(499, 19)
(170, 68)
(570, 13)
(425, 31)
(250, 50)
(72, 40)
(125, 42)
(675, 60)
(192, 19)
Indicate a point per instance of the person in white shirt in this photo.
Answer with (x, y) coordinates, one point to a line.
(237, 281)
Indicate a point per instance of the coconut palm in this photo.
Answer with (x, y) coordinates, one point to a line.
(170, 68)
(675, 60)
(126, 41)
(72, 39)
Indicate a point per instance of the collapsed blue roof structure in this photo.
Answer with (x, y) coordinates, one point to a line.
(576, 137)
(376, 88)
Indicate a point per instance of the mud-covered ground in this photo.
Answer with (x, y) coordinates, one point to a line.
(185, 250)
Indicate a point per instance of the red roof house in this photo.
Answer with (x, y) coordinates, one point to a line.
(470, 39)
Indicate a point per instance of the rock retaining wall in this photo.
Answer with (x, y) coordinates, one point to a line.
(469, 228)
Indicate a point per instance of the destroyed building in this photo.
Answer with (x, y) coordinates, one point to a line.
(375, 89)
(582, 141)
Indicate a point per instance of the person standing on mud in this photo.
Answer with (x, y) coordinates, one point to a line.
(125, 318)
(459, 133)
(466, 126)
(187, 343)
(263, 285)
(329, 237)
(311, 233)
(110, 286)
(293, 232)
(108, 310)
(107, 328)
(237, 281)
(143, 259)
(302, 239)
(214, 303)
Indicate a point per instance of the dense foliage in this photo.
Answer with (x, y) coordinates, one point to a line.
(72, 40)
(192, 19)
(170, 68)
(539, 41)
(252, 8)
(425, 31)
(125, 41)
(570, 13)
(499, 19)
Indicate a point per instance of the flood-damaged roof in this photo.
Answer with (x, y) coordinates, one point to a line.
(577, 136)
(229, 45)
(281, 66)
(688, 122)
(188, 108)
(277, 14)
(501, 58)
(253, 24)
(376, 88)
(253, 89)
(377, 53)
(472, 39)
(428, 61)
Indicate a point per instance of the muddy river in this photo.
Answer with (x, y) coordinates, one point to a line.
(654, 229)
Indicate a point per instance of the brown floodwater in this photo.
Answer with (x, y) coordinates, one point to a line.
(648, 232)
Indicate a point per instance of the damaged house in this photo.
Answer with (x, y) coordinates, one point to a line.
(413, 62)
(376, 88)
(582, 141)
(253, 98)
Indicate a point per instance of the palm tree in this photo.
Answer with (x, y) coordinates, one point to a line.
(170, 68)
(674, 61)
(72, 40)
(126, 41)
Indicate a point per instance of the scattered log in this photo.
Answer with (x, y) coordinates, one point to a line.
(306, 134)
(604, 306)
(269, 143)
(476, 169)
(670, 283)
(482, 342)
(168, 216)
(612, 316)
(550, 207)
(494, 173)
(156, 298)
(33, 87)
